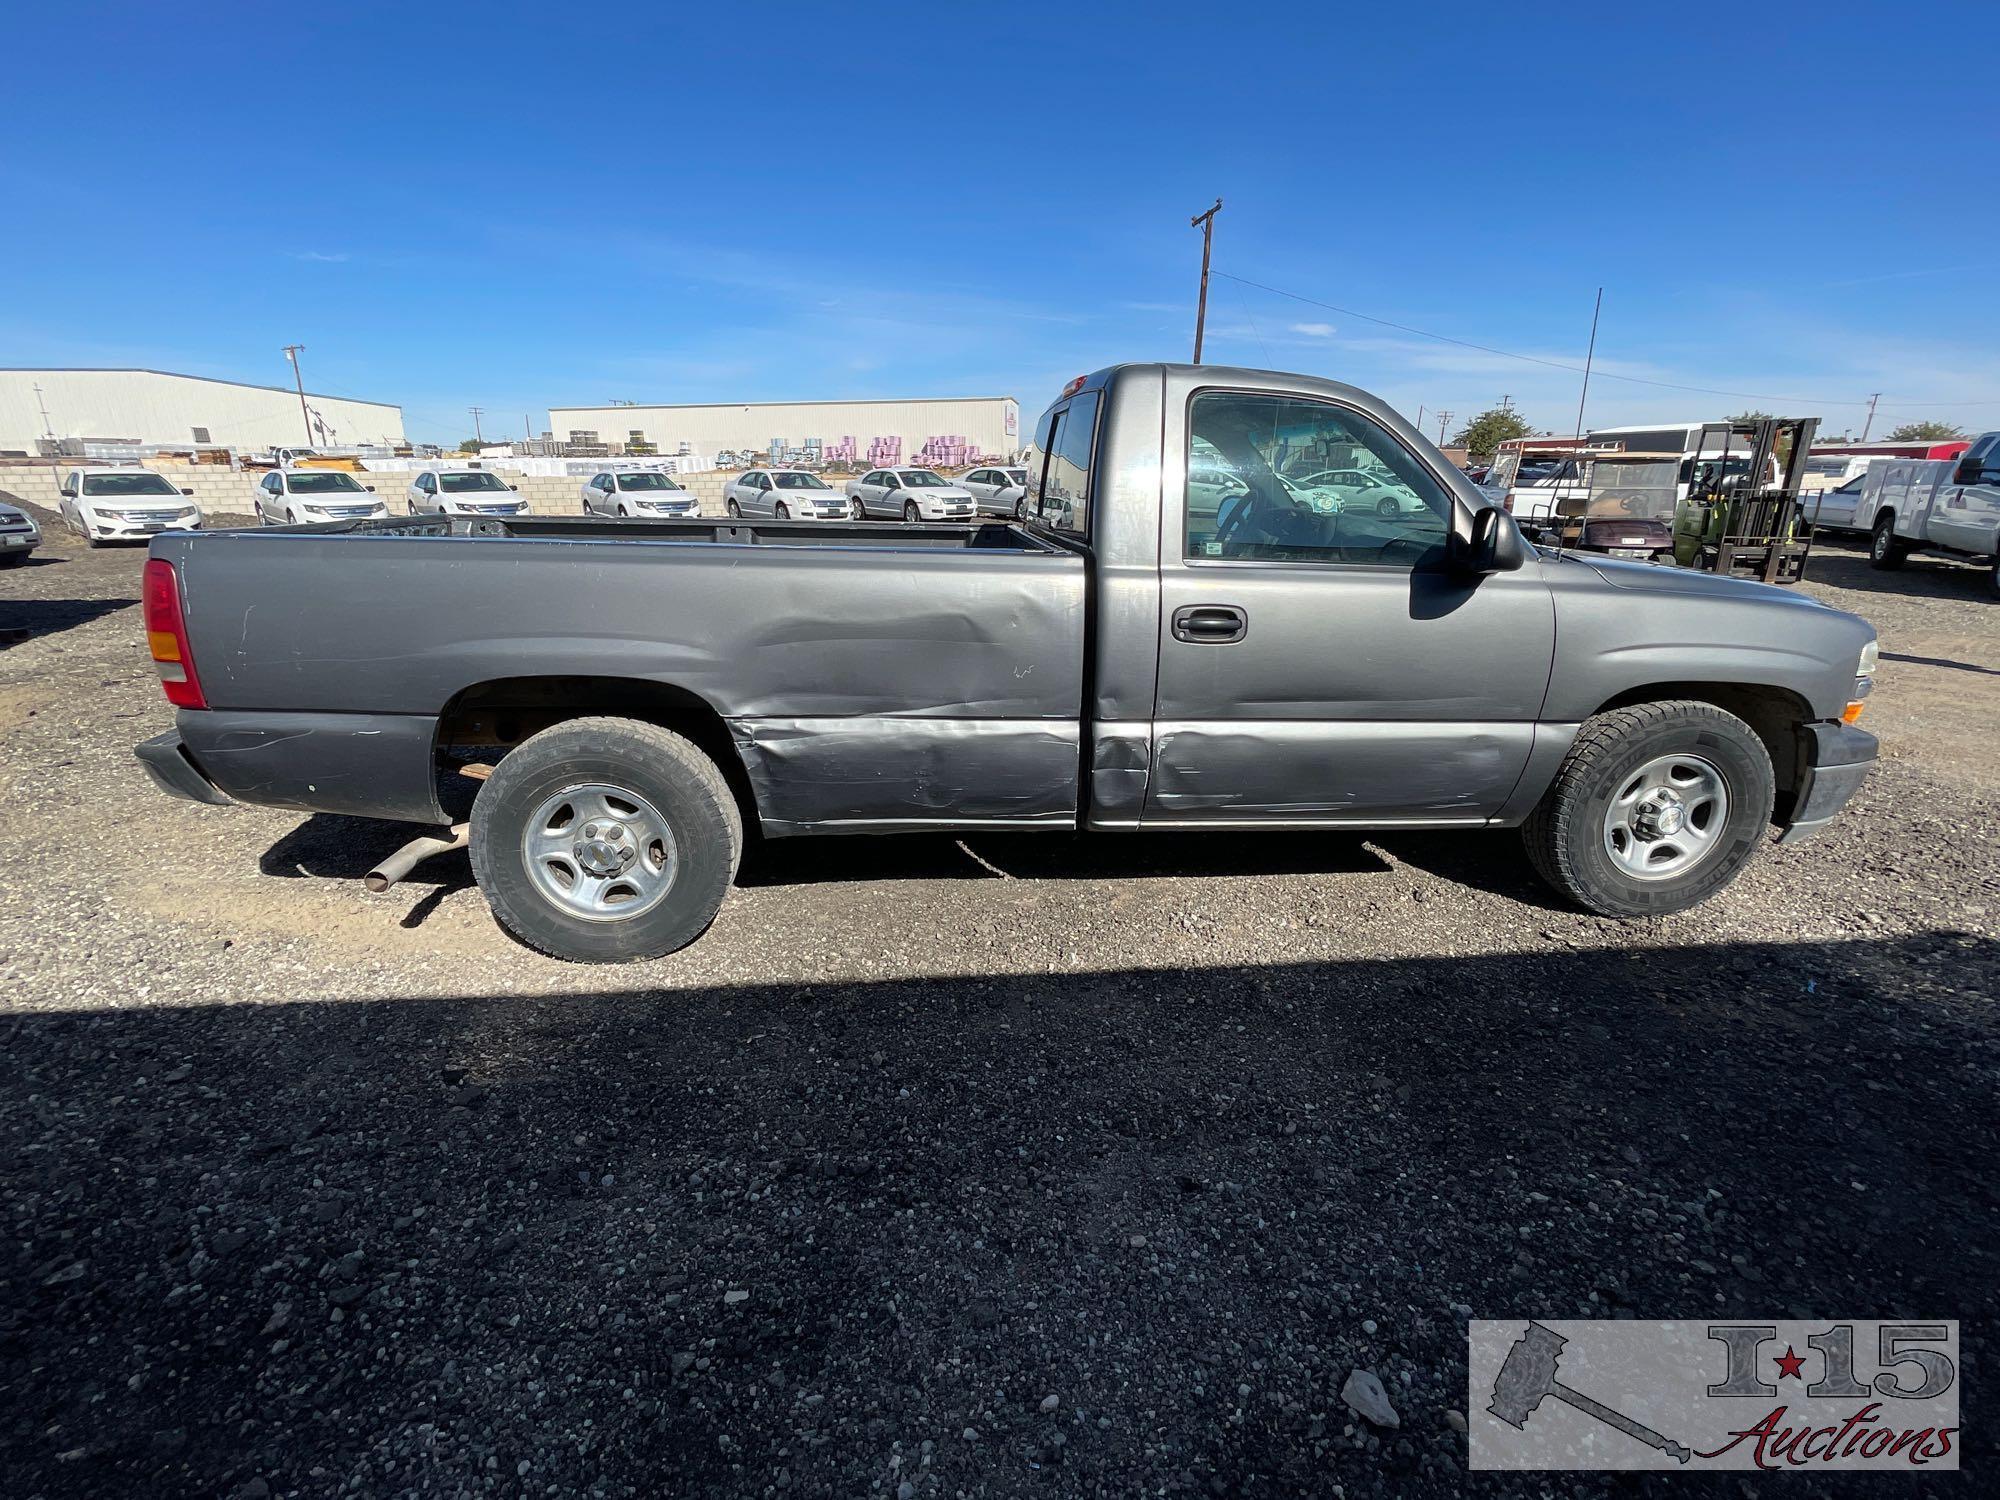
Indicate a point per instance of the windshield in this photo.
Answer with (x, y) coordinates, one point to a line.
(323, 484)
(921, 479)
(127, 484)
(1622, 489)
(647, 482)
(467, 484)
(799, 482)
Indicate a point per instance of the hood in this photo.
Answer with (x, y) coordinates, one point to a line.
(1645, 577)
(949, 492)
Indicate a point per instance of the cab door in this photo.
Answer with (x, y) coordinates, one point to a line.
(1322, 665)
(1966, 512)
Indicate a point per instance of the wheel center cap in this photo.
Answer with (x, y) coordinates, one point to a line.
(1663, 816)
(606, 848)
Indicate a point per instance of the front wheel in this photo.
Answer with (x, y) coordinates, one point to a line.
(782, 512)
(910, 512)
(1656, 808)
(1884, 550)
(13, 559)
(604, 840)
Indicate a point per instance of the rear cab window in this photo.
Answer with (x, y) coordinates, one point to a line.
(1059, 465)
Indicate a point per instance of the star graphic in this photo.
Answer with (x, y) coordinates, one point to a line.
(1789, 1363)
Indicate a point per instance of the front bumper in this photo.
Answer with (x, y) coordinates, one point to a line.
(1834, 760)
(20, 541)
(123, 529)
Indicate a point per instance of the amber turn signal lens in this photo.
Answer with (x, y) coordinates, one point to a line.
(1853, 712)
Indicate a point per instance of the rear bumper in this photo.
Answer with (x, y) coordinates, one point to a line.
(1836, 759)
(166, 761)
(360, 765)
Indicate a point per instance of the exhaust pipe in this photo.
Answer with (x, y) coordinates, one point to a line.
(414, 853)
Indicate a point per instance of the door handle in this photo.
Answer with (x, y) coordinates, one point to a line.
(1210, 624)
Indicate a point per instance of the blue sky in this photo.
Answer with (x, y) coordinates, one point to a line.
(497, 205)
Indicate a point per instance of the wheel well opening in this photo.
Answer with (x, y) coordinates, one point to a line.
(486, 721)
(1774, 713)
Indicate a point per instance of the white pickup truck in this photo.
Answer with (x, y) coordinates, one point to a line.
(1940, 505)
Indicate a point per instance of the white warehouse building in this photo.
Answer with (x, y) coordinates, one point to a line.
(155, 408)
(881, 431)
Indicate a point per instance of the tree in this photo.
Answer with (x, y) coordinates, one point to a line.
(1918, 432)
(1751, 416)
(470, 445)
(1486, 432)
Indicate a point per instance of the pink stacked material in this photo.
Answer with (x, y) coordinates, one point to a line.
(885, 451)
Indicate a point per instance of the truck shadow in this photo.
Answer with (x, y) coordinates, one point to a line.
(25, 619)
(253, 1241)
(325, 847)
(1839, 566)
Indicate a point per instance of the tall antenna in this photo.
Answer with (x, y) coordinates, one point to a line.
(1588, 357)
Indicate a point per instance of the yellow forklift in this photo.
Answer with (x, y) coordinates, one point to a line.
(1740, 511)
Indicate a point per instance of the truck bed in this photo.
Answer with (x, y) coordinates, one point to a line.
(869, 675)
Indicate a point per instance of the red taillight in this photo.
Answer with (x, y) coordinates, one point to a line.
(166, 634)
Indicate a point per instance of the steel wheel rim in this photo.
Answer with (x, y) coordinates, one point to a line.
(1666, 817)
(600, 852)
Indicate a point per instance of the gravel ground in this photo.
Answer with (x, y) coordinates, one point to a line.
(1022, 1165)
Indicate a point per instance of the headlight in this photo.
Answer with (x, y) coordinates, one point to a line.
(1871, 657)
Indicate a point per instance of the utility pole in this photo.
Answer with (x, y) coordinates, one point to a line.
(292, 353)
(1871, 415)
(1506, 403)
(477, 436)
(1443, 417)
(1206, 224)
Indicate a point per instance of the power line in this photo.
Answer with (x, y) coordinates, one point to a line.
(1556, 364)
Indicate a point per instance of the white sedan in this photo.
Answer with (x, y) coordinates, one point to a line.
(1365, 489)
(998, 489)
(463, 492)
(913, 494)
(126, 503)
(289, 497)
(643, 492)
(784, 495)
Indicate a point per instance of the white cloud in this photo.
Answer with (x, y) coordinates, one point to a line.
(328, 257)
(1314, 330)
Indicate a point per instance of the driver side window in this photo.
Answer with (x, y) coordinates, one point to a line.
(1310, 482)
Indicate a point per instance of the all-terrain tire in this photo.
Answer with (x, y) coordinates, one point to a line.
(670, 772)
(1565, 834)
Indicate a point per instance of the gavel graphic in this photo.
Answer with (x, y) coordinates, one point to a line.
(1529, 1373)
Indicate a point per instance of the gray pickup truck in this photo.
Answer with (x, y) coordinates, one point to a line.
(1138, 653)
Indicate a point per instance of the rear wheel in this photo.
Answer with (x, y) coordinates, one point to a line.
(1388, 505)
(604, 840)
(1884, 549)
(854, 510)
(731, 506)
(1656, 808)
